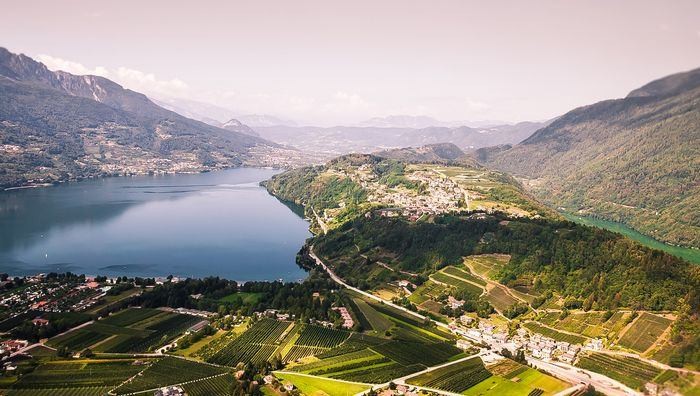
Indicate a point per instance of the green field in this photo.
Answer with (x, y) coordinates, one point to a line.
(457, 377)
(528, 381)
(464, 274)
(316, 386)
(379, 322)
(457, 283)
(556, 335)
(218, 385)
(487, 265)
(589, 324)
(644, 332)
(628, 370)
(692, 255)
(79, 391)
(245, 297)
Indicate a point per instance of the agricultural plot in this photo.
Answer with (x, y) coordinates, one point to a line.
(298, 352)
(457, 283)
(407, 353)
(628, 370)
(218, 385)
(169, 371)
(74, 374)
(487, 265)
(426, 291)
(131, 330)
(500, 299)
(80, 391)
(592, 324)
(412, 323)
(378, 322)
(466, 275)
(455, 378)
(527, 382)
(321, 386)
(336, 361)
(256, 345)
(361, 317)
(644, 332)
(378, 375)
(554, 334)
(322, 337)
(431, 306)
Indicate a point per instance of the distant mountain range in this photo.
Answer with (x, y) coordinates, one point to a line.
(59, 126)
(419, 122)
(340, 140)
(634, 160)
(217, 115)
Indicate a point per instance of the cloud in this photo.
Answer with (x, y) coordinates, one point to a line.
(133, 79)
(54, 63)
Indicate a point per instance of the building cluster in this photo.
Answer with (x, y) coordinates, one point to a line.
(170, 391)
(347, 318)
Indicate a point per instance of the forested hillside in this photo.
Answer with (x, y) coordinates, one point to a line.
(634, 160)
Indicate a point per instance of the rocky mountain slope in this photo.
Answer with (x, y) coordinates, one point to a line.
(59, 126)
(634, 160)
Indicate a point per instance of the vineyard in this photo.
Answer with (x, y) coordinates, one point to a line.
(556, 335)
(322, 337)
(255, 345)
(628, 370)
(408, 353)
(455, 378)
(169, 371)
(457, 283)
(644, 332)
(74, 374)
(500, 299)
(131, 330)
(378, 375)
(466, 275)
(218, 385)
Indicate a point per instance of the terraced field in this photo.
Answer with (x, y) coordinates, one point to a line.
(644, 332)
(464, 274)
(457, 283)
(455, 378)
(427, 291)
(487, 265)
(630, 371)
(554, 334)
(378, 322)
(589, 324)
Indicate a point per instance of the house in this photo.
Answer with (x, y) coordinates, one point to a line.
(13, 345)
(466, 320)
(196, 296)
(568, 357)
(40, 322)
(454, 303)
(268, 379)
(463, 344)
(170, 391)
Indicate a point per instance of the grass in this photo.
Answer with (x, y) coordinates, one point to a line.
(465, 275)
(526, 382)
(644, 332)
(247, 298)
(317, 386)
(457, 283)
(487, 265)
(589, 324)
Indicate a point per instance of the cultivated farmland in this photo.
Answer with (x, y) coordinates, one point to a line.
(628, 370)
(644, 332)
(455, 378)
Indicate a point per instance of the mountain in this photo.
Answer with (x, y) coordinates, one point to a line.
(401, 121)
(634, 160)
(59, 126)
(440, 153)
(237, 126)
(200, 111)
(263, 120)
(340, 140)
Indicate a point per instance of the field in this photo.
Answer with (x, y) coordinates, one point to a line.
(554, 334)
(169, 371)
(524, 381)
(457, 283)
(246, 298)
(130, 330)
(218, 385)
(455, 378)
(628, 370)
(500, 299)
(487, 265)
(426, 291)
(78, 374)
(589, 324)
(378, 322)
(644, 332)
(316, 386)
(80, 391)
(464, 274)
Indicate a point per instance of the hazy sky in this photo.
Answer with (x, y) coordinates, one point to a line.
(340, 62)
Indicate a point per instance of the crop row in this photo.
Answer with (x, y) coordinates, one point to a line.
(556, 335)
(336, 360)
(407, 353)
(379, 375)
(220, 385)
(630, 371)
(169, 371)
(323, 337)
(456, 377)
(248, 346)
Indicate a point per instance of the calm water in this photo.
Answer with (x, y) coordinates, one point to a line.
(219, 223)
(692, 255)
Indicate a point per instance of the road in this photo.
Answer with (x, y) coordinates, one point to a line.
(575, 375)
(339, 281)
(564, 371)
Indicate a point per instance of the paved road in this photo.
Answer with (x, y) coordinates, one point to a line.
(339, 281)
(576, 375)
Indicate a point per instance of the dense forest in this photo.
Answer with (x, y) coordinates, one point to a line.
(559, 256)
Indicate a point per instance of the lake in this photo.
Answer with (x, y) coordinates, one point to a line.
(692, 255)
(193, 225)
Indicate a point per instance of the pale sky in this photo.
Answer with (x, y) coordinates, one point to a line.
(332, 62)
